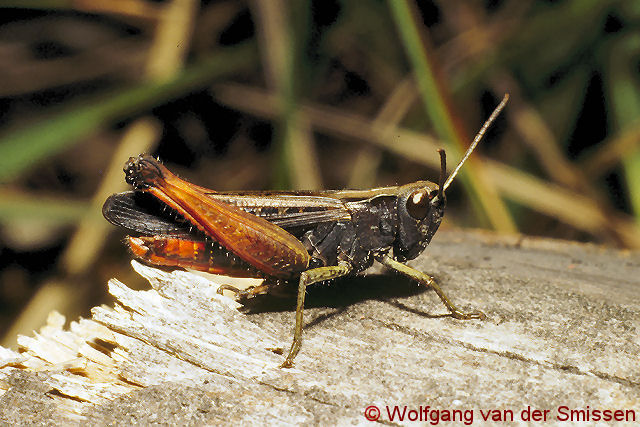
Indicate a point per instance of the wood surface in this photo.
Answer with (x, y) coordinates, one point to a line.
(563, 329)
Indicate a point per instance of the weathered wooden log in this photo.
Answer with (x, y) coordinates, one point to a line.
(562, 330)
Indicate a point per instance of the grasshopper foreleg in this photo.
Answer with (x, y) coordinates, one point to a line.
(307, 278)
(426, 280)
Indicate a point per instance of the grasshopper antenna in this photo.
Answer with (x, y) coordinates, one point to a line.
(475, 142)
(443, 173)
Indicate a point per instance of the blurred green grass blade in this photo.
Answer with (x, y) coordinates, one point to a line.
(22, 148)
(19, 206)
(435, 99)
(426, 79)
(37, 4)
(632, 172)
(283, 48)
(624, 92)
(285, 39)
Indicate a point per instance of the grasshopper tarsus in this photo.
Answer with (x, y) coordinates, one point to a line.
(276, 350)
(287, 364)
(473, 315)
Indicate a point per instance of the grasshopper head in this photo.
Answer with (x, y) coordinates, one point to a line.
(420, 208)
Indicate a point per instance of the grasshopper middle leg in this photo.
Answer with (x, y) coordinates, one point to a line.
(307, 278)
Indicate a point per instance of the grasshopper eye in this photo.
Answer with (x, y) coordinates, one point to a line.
(418, 204)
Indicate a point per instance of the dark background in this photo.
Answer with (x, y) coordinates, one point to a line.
(306, 94)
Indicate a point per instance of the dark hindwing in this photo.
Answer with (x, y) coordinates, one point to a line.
(144, 214)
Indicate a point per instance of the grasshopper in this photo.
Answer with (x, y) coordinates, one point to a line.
(281, 236)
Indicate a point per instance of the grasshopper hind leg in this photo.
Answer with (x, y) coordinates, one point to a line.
(307, 278)
(427, 280)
